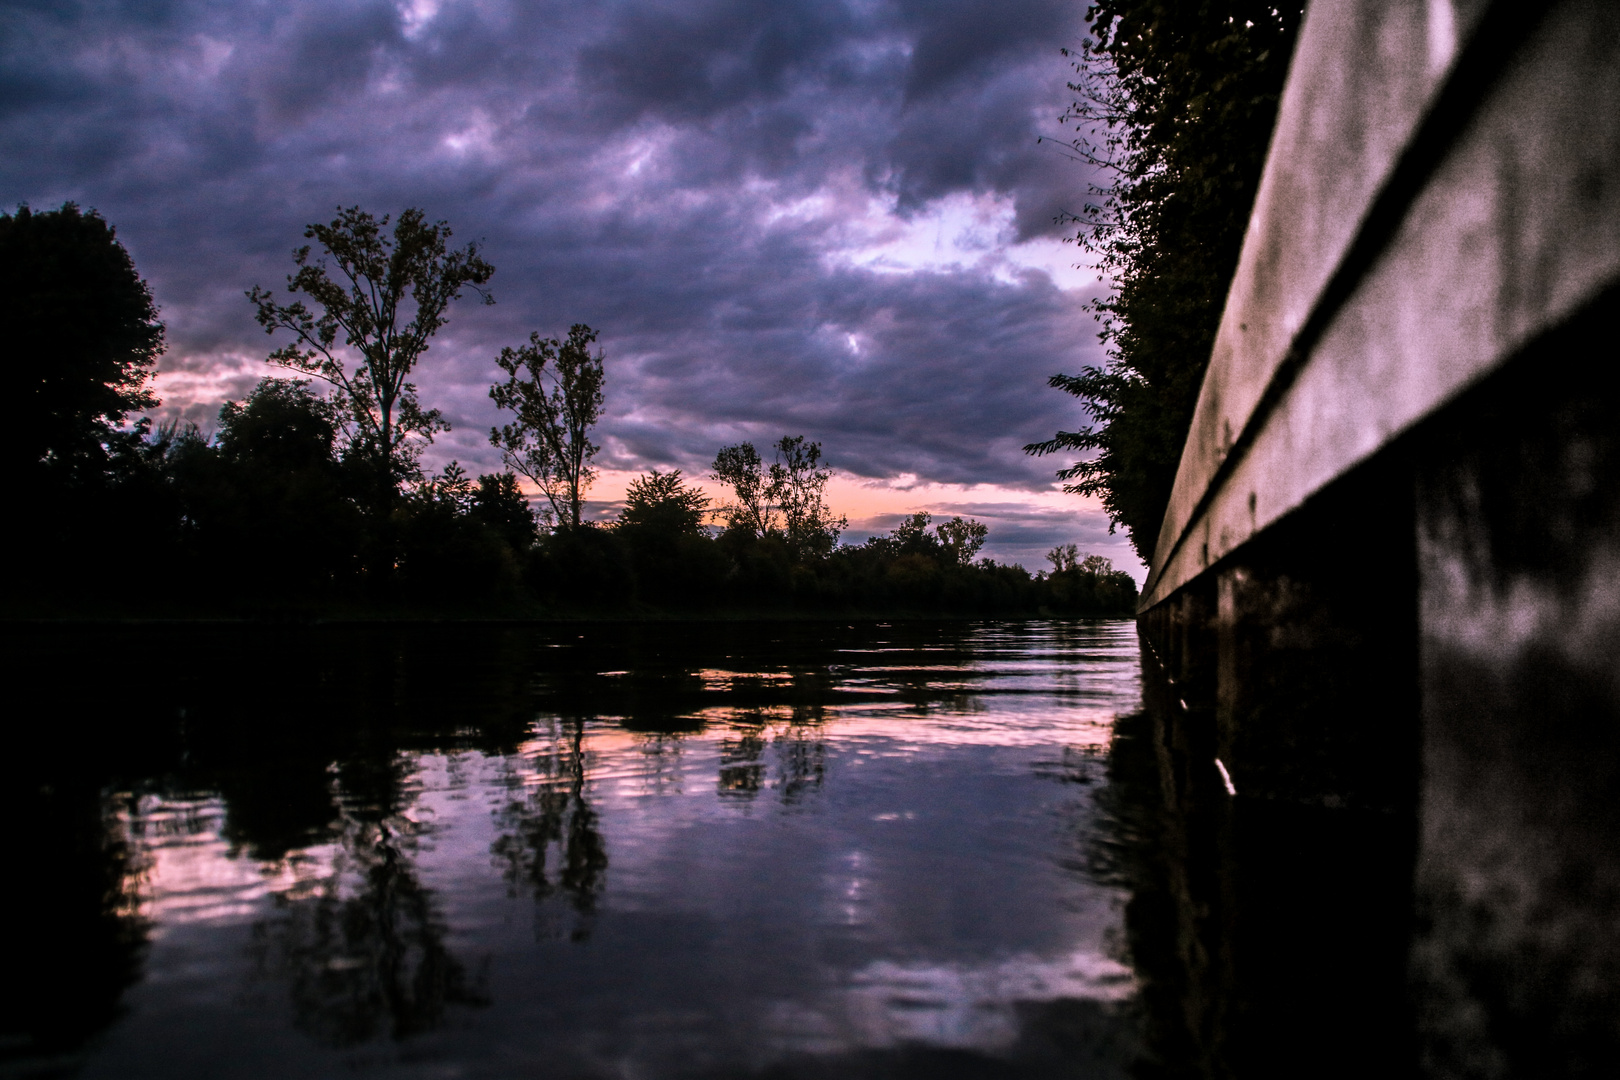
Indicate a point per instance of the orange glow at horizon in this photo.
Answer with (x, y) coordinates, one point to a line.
(863, 500)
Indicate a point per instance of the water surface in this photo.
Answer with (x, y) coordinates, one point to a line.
(601, 851)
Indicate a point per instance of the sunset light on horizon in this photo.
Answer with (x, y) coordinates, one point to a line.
(810, 219)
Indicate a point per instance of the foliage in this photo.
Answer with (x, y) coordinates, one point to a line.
(549, 441)
(962, 539)
(1066, 558)
(740, 468)
(785, 499)
(452, 488)
(674, 562)
(84, 337)
(446, 552)
(282, 424)
(798, 484)
(1087, 582)
(922, 569)
(1175, 108)
(266, 507)
(500, 505)
(379, 312)
(663, 503)
(278, 512)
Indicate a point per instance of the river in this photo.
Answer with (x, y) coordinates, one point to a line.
(648, 851)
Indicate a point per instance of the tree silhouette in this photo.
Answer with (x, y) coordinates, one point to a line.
(661, 502)
(378, 315)
(786, 498)
(500, 505)
(962, 539)
(549, 441)
(798, 484)
(741, 469)
(83, 337)
(1175, 105)
(282, 424)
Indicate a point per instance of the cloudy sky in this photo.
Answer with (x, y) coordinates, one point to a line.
(819, 217)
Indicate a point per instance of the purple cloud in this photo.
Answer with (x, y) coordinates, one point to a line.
(807, 217)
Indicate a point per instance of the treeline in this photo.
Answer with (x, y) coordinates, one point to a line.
(1174, 109)
(315, 501)
(269, 515)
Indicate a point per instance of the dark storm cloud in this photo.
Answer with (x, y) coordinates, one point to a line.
(697, 180)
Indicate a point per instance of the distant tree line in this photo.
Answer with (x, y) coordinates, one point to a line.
(1174, 108)
(310, 495)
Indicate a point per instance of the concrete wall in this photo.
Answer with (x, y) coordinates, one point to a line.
(1427, 209)
(1388, 582)
(1518, 876)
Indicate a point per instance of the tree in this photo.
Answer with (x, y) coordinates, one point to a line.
(1064, 557)
(662, 502)
(740, 468)
(798, 481)
(911, 536)
(378, 315)
(451, 490)
(962, 539)
(787, 498)
(500, 504)
(549, 441)
(273, 486)
(84, 337)
(282, 424)
(1175, 108)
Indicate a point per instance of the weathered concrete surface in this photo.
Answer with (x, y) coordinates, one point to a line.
(1300, 652)
(1388, 582)
(1518, 870)
(1369, 296)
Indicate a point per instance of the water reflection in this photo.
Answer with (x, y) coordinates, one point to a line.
(1268, 938)
(74, 934)
(550, 841)
(783, 850)
(360, 944)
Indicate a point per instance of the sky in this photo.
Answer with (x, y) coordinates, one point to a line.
(819, 217)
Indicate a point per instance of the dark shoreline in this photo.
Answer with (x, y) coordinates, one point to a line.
(8, 622)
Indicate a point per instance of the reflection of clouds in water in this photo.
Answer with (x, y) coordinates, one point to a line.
(962, 1006)
(190, 873)
(972, 1006)
(761, 864)
(347, 926)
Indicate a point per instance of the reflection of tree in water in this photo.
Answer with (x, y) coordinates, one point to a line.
(742, 770)
(75, 938)
(551, 842)
(801, 753)
(363, 948)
